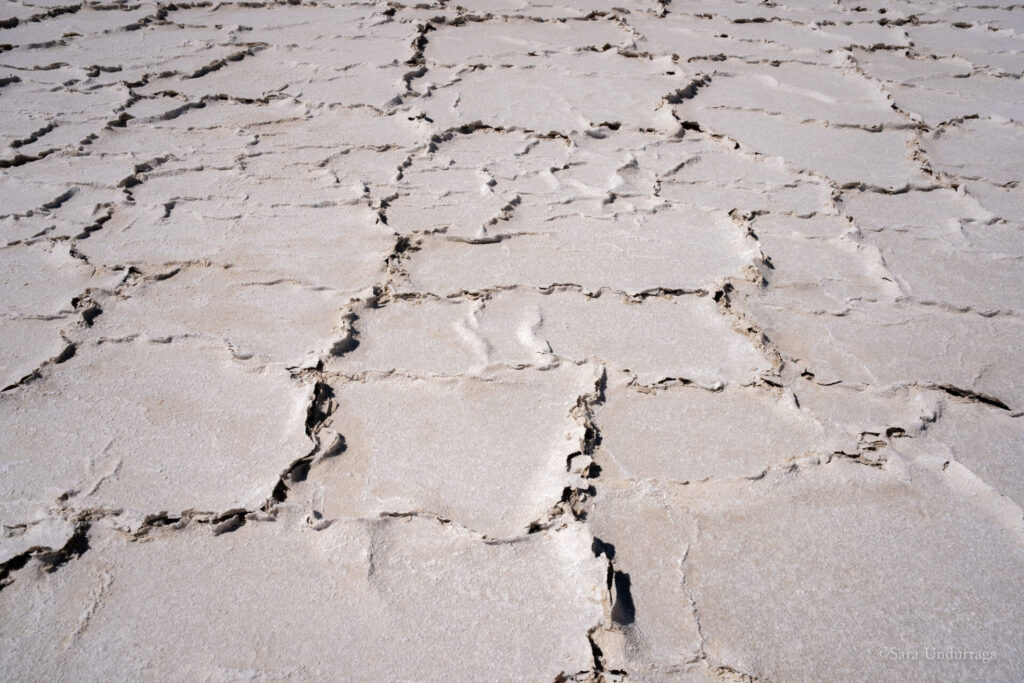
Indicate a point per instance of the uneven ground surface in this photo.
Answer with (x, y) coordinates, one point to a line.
(522, 340)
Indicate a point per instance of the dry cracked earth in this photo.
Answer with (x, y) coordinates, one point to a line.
(519, 340)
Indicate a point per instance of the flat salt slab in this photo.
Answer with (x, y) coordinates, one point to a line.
(1007, 201)
(336, 247)
(676, 248)
(279, 24)
(149, 428)
(652, 622)
(45, 189)
(932, 270)
(976, 44)
(26, 343)
(37, 106)
(693, 40)
(506, 97)
(392, 599)
(345, 128)
(146, 50)
(848, 156)
(276, 321)
(654, 338)
(85, 20)
(372, 86)
(264, 73)
(882, 346)
(807, 40)
(900, 565)
(458, 202)
(910, 68)
(978, 149)
(542, 9)
(41, 280)
(824, 274)
(431, 446)
(714, 182)
(692, 434)
(800, 92)
(475, 43)
(21, 197)
(985, 440)
(259, 188)
(939, 100)
(940, 212)
(866, 414)
(823, 226)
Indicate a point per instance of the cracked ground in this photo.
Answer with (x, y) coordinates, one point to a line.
(523, 340)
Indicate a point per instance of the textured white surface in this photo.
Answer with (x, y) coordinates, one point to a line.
(519, 340)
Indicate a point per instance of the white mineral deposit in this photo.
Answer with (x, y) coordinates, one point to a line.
(539, 340)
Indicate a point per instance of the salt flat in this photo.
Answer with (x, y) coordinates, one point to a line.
(517, 340)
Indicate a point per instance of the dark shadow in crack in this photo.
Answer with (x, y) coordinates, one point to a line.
(623, 611)
(599, 547)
